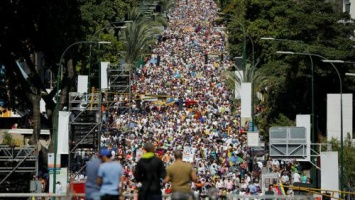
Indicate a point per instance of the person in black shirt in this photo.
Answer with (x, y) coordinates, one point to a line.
(150, 171)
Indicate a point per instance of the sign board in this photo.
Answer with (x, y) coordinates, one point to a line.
(188, 154)
(253, 139)
(51, 162)
(288, 142)
(61, 177)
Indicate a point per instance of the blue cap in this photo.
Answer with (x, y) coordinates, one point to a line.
(105, 152)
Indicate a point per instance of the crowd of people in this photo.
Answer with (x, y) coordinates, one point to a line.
(197, 113)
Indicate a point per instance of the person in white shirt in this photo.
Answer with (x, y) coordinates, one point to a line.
(247, 179)
(219, 184)
(296, 177)
(285, 179)
(58, 188)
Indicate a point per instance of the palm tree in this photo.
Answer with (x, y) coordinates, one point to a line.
(137, 36)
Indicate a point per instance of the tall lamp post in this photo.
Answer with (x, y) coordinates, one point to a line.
(341, 107)
(312, 81)
(94, 36)
(56, 112)
(252, 70)
(313, 121)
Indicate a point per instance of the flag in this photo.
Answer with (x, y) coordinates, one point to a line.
(282, 189)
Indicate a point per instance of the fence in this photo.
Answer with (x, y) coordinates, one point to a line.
(77, 196)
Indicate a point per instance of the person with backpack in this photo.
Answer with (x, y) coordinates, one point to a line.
(150, 172)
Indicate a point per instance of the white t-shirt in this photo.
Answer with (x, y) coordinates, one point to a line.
(285, 178)
(296, 177)
(219, 184)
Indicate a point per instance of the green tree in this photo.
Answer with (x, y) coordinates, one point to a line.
(313, 23)
(349, 159)
(101, 22)
(138, 36)
(32, 29)
(7, 139)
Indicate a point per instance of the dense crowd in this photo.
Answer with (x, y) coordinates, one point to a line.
(198, 112)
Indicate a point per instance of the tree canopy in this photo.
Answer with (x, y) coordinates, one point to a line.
(33, 38)
(309, 26)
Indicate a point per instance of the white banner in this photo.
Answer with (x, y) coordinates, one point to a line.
(188, 154)
(333, 115)
(246, 100)
(63, 132)
(329, 170)
(237, 91)
(51, 162)
(103, 81)
(305, 121)
(253, 139)
(82, 84)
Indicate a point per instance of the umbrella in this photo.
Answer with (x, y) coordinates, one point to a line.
(233, 159)
(153, 61)
(178, 75)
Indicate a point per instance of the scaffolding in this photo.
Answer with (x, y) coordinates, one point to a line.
(17, 161)
(85, 122)
(117, 100)
(119, 95)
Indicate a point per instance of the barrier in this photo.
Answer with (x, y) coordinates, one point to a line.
(48, 196)
(325, 193)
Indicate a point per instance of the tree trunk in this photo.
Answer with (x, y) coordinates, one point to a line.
(35, 101)
(66, 82)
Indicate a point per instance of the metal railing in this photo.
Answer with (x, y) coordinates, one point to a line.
(48, 196)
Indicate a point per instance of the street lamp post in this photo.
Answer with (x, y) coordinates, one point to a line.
(313, 121)
(56, 112)
(252, 70)
(313, 135)
(341, 108)
(93, 38)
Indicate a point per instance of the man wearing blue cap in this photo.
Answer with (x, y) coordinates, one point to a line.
(109, 176)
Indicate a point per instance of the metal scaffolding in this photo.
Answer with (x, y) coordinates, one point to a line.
(85, 120)
(119, 95)
(17, 160)
(118, 98)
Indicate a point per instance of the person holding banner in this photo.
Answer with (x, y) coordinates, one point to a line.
(180, 174)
